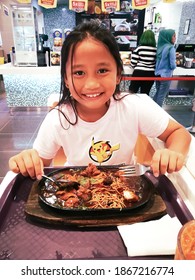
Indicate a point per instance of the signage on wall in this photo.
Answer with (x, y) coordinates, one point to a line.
(24, 1)
(48, 4)
(57, 39)
(110, 6)
(169, 1)
(98, 8)
(55, 58)
(140, 4)
(78, 6)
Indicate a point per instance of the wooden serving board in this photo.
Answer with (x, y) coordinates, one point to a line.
(38, 211)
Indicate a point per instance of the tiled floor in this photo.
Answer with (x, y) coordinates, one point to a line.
(18, 132)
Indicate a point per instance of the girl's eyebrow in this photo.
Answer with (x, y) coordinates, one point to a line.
(75, 66)
(101, 64)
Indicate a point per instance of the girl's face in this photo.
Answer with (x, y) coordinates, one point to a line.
(173, 39)
(92, 75)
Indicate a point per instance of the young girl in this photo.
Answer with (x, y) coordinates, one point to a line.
(93, 121)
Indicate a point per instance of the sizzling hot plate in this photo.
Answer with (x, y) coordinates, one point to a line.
(142, 186)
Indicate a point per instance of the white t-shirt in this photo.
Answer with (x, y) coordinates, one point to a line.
(110, 140)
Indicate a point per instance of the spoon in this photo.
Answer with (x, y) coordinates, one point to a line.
(58, 183)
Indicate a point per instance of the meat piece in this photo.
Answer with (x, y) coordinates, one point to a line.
(107, 181)
(91, 170)
(84, 194)
(130, 196)
(72, 202)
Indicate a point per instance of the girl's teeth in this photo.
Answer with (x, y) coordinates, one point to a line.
(93, 95)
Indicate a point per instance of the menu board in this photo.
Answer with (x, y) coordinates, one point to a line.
(126, 25)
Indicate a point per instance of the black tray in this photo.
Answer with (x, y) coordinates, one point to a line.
(23, 239)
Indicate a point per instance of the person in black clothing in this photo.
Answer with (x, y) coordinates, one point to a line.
(143, 60)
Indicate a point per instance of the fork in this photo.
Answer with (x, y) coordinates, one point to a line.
(134, 170)
(61, 183)
(51, 180)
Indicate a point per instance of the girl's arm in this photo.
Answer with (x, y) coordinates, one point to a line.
(28, 163)
(177, 141)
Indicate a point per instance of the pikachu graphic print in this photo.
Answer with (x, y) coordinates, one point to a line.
(101, 151)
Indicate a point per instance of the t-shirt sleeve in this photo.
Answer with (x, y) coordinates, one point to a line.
(152, 119)
(47, 149)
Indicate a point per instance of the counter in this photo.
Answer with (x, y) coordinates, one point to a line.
(179, 71)
(183, 89)
(32, 86)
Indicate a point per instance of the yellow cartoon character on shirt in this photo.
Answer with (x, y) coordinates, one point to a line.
(101, 151)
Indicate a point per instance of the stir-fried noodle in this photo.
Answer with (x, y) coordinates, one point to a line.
(96, 189)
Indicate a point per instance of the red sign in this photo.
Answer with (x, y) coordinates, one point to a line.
(140, 2)
(47, 3)
(78, 4)
(110, 4)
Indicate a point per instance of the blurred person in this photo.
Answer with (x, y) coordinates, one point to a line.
(165, 63)
(143, 60)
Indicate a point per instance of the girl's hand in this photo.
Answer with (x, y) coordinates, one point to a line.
(166, 160)
(28, 163)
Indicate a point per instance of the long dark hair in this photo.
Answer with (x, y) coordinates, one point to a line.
(95, 29)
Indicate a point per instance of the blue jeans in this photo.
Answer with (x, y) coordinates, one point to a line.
(162, 89)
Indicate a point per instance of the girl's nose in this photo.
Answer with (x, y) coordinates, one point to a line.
(91, 83)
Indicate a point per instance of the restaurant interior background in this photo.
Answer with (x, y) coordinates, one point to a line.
(177, 15)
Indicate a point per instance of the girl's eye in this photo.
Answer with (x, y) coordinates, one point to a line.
(78, 73)
(102, 71)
